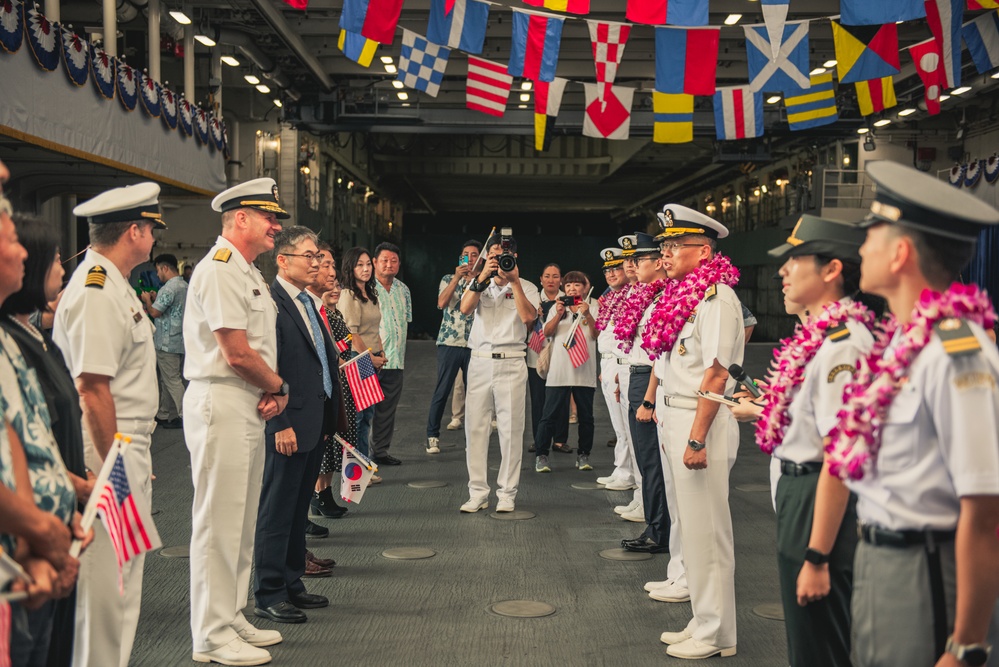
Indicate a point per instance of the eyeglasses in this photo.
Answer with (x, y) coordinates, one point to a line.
(309, 257)
(650, 258)
(673, 247)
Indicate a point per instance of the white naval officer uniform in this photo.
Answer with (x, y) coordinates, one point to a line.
(705, 521)
(625, 467)
(101, 328)
(497, 376)
(225, 435)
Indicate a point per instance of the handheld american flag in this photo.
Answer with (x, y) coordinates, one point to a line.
(343, 345)
(536, 341)
(363, 381)
(578, 348)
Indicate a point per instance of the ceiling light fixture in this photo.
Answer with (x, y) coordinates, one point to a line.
(862, 130)
(397, 84)
(403, 95)
(882, 122)
(960, 91)
(263, 88)
(732, 19)
(252, 79)
(944, 98)
(817, 71)
(829, 63)
(230, 61)
(390, 69)
(180, 17)
(521, 106)
(525, 97)
(773, 99)
(906, 112)
(278, 104)
(206, 40)
(386, 59)
(405, 104)
(526, 84)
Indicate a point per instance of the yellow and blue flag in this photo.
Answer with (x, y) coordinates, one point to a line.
(674, 118)
(816, 107)
(356, 47)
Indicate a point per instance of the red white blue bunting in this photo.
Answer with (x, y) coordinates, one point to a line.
(185, 112)
(76, 57)
(11, 18)
(215, 131)
(168, 107)
(149, 95)
(973, 173)
(128, 86)
(992, 169)
(201, 127)
(43, 38)
(104, 70)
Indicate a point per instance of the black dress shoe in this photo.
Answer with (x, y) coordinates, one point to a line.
(612, 442)
(309, 601)
(647, 546)
(282, 612)
(388, 460)
(315, 530)
(635, 540)
(325, 505)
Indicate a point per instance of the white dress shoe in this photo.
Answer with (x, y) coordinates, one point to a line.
(603, 481)
(257, 636)
(691, 649)
(474, 505)
(454, 425)
(636, 515)
(504, 506)
(236, 652)
(670, 593)
(653, 585)
(675, 637)
(630, 507)
(620, 485)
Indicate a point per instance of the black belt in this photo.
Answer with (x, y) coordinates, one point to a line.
(639, 370)
(930, 541)
(798, 469)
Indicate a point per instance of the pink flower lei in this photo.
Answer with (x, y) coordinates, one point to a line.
(630, 312)
(855, 440)
(787, 370)
(672, 312)
(608, 304)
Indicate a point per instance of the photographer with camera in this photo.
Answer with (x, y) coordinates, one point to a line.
(504, 306)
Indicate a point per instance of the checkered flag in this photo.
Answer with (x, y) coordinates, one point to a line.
(608, 41)
(422, 63)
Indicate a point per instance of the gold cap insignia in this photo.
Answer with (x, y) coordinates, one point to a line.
(608, 256)
(668, 218)
(274, 191)
(626, 244)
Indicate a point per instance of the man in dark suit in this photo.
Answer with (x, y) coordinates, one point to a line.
(293, 453)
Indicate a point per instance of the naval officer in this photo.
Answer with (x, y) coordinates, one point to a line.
(231, 347)
(107, 341)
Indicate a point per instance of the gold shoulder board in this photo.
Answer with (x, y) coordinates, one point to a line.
(957, 337)
(839, 333)
(222, 255)
(96, 277)
(711, 293)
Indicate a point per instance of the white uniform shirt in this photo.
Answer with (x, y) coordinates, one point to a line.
(606, 343)
(497, 326)
(638, 356)
(820, 397)
(560, 371)
(104, 331)
(715, 333)
(939, 442)
(226, 295)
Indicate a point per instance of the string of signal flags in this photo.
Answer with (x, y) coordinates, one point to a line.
(865, 37)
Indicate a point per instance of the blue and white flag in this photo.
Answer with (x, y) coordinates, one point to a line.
(982, 38)
(880, 12)
(774, 16)
(944, 18)
(788, 72)
(422, 63)
(464, 27)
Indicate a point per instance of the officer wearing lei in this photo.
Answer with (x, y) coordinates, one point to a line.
(918, 437)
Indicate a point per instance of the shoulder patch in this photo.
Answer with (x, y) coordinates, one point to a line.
(957, 337)
(842, 368)
(842, 332)
(222, 255)
(96, 277)
(711, 293)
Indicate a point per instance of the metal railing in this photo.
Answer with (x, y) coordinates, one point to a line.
(846, 188)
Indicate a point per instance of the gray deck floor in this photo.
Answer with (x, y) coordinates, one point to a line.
(436, 611)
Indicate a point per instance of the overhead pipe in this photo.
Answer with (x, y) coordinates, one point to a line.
(110, 28)
(294, 42)
(52, 11)
(268, 68)
(189, 63)
(154, 40)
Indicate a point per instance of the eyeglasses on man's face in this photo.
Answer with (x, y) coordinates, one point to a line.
(673, 247)
(309, 257)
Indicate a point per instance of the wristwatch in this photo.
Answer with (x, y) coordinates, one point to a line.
(283, 391)
(648, 406)
(816, 557)
(970, 654)
(696, 445)
(476, 286)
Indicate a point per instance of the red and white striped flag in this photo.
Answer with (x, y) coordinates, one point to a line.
(578, 348)
(738, 113)
(363, 382)
(4, 633)
(608, 41)
(536, 341)
(488, 87)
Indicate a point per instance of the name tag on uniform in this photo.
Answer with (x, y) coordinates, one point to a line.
(256, 292)
(137, 317)
(509, 295)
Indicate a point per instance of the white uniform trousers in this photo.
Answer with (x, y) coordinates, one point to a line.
(624, 382)
(225, 436)
(624, 464)
(706, 523)
(675, 570)
(106, 619)
(495, 386)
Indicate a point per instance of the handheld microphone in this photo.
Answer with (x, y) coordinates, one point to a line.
(737, 372)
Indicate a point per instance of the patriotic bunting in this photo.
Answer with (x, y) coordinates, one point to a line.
(535, 45)
(738, 113)
(185, 117)
(149, 95)
(43, 38)
(488, 86)
(926, 56)
(673, 12)
(674, 118)
(568, 6)
(774, 16)
(128, 86)
(788, 73)
(76, 56)
(982, 38)
(374, 19)
(880, 12)
(356, 47)
(168, 107)
(104, 70)
(865, 52)
(11, 32)
(875, 95)
(944, 18)
(201, 126)
(463, 28)
(816, 107)
(547, 102)
(608, 41)
(421, 63)
(686, 60)
(609, 118)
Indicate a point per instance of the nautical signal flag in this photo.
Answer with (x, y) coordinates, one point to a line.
(788, 72)
(944, 18)
(880, 12)
(568, 6)
(488, 86)
(578, 348)
(609, 118)
(982, 38)
(374, 19)
(865, 52)
(738, 113)
(422, 63)
(983, 4)
(462, 28)
(674, 118)
(356, 47)
(686, 60)
(534, 45)
(608, 41)
(816, 107)
(363, 382)
(673, 12)
(547, 102)
(774, 16)
(926, 56)
(536, 341)
(875, 95)
(298, 4)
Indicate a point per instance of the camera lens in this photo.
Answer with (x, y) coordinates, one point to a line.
(507, 262)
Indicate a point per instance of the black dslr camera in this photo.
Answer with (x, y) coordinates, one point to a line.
(570, 300)
(507, 259)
